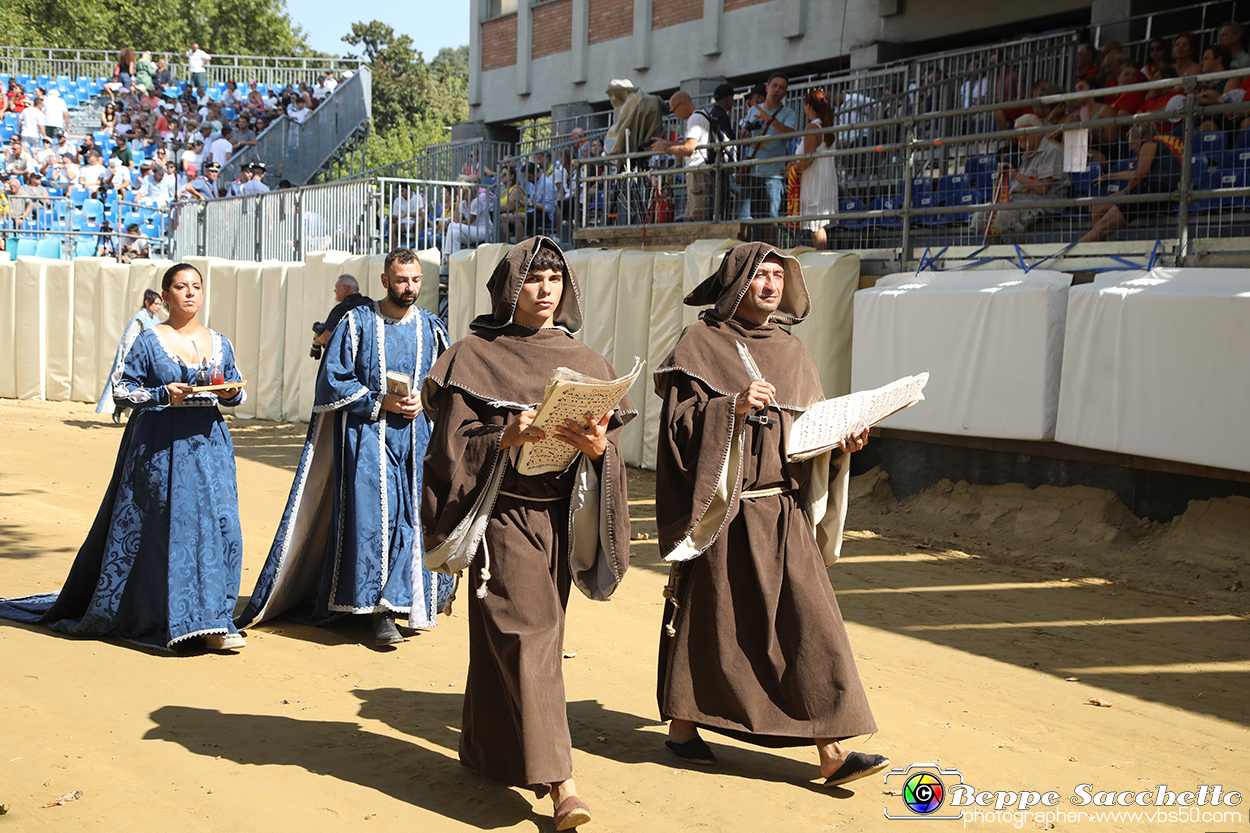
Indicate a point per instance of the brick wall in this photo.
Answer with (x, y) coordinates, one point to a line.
(730, 5)
(609, 20)
(671, 12)
(552, 28)
(499, 43)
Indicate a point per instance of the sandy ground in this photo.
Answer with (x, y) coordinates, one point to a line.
(968, 638)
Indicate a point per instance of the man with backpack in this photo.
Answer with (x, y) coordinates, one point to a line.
(700, 130)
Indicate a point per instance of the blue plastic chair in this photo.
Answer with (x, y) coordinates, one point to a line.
(49, 247)
(1210, 143)
(93, 210)
(10, 247)
(85, 247)
(78, 195)
(26, 246)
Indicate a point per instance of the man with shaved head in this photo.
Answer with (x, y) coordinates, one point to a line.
(698, 133)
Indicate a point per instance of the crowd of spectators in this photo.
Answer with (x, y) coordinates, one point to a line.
(158, 139)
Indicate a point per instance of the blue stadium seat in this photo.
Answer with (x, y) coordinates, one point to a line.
(921, 185)
(1210, 143)
(26, 246)
(888, 204)
(982, 170)
(10, 119)
(1082, 182)
(10, 247)
(845, 206)
(929, 200)
(84, 247)
(48, 248)
(79, 195)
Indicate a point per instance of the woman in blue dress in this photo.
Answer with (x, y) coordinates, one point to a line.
(144, 319)
(163, 559)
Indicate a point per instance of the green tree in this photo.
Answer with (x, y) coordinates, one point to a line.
(399, 73)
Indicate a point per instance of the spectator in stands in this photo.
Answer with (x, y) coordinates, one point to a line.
(1232, 37)
(1126, 104)
(158, 186)
(135, 244)
(1111, 64)
(1102, 140)
(90, 175)
(219, 151)
(407, 217)
(298, 111)
(17, 159)
(126, 60)
(204, 187)
(1156, 170)
(145, 72)
(976, 87)
(45, 156)
(1039, 177)
(87, 147)
(541, 206)
(31, 197)
(511, 202)
(108, 118)
(244, 135)
(331, 83)
(1086, 68)
(121, 152)
(819, 183)
(770, 123)
(470, 222)
(1215, 59)
(162, 78)
(693, 150)
(1184, 47)
(1158, 99)
(66, 148)
(32, 125)
(4, 104)
(55, 114)
(1157, 57)
(63, 171)
(1108, 47)
(233, 96)
(197, 63)
(116, 178)
(321, 91)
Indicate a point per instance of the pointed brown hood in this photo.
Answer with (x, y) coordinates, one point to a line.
(728, 284)
(505, 285)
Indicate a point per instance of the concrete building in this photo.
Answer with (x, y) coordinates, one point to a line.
(532, 58)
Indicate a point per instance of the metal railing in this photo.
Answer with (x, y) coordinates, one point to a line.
(298, 152)
(934, 184)
(99, 63)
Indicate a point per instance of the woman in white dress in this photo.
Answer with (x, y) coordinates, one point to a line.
(819, 185)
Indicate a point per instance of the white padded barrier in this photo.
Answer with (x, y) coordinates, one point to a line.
(1155, 365)
(991, 340)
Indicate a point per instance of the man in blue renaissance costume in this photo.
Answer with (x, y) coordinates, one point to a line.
(350, 538)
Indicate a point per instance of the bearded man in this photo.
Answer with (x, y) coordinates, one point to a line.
(350, 538)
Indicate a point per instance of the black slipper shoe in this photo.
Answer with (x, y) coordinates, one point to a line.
(693, 751)
(857, 765)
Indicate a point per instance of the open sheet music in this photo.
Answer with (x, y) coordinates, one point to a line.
(570, 395)
(824, 425)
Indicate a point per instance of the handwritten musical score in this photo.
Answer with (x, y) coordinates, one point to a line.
(570, 395)
(826, 424)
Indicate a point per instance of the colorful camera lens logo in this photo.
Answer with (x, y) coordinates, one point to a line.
(923, 793)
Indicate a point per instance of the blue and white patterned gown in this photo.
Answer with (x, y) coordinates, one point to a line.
(163, 558)
(141, 321)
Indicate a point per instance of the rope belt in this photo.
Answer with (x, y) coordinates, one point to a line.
(533, 498)
(771, 492)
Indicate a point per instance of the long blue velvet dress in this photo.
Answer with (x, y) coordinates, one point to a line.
(163, 559)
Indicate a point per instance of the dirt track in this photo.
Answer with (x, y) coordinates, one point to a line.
(966, 656)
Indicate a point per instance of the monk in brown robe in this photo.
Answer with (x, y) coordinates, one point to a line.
(524, 539)
(753, 644)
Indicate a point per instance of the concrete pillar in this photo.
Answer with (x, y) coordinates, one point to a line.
(465, 130)
(793, 18)
(475, 52)
(642, 34)
(524, 46)
(581, 110)
(1103, 12)
(713, 14)
(581, 31)
(880, 52)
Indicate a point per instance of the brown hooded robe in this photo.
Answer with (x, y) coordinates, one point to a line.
(753, 643)
(522, 553)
